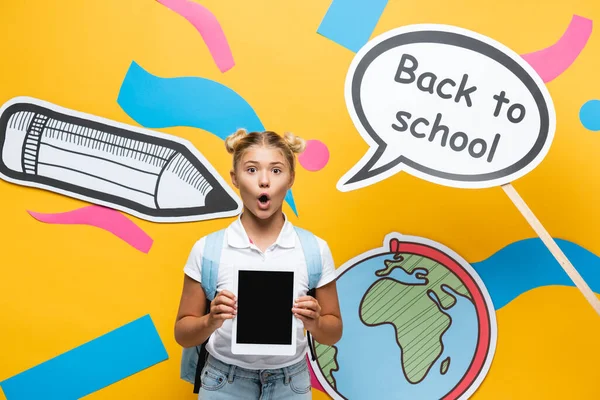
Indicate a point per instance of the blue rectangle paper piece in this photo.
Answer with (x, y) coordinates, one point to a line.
(91, 366)
(350, 23)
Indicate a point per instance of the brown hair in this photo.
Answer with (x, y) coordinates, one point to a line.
(240, 141)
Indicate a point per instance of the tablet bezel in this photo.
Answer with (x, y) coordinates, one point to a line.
(264, 349)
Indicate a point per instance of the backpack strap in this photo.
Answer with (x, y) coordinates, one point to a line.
(312, 255)
(211, 258)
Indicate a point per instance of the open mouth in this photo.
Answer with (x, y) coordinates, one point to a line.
(264, 199)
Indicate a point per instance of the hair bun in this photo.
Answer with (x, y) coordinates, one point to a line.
(232, 141)
(295, 143)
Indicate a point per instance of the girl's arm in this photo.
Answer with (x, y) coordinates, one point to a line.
(193, 325)
(321, 315)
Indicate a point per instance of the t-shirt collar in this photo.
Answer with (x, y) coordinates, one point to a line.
(238, 238)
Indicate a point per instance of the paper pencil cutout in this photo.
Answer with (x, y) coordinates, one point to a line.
(148, 174)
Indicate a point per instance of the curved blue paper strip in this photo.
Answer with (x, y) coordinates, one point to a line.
(156, 102)
(92, 366)
(350, 23)
(528, 264)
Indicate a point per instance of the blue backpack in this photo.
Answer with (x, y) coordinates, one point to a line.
(193, 358)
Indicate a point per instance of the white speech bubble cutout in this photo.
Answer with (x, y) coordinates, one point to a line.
(447, 105)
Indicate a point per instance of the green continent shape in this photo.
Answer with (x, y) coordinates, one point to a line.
(327, 359)
(444, 366)
(437, 275)
(418, 321)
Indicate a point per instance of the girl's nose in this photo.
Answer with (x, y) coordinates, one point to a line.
(264, 181)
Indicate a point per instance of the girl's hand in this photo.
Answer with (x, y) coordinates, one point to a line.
(221, 308)
(308, 310)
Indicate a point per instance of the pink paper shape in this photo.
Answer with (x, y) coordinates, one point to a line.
(554, 60)
(103, 218)
(315, 156)
(209, 28)
(314, 382)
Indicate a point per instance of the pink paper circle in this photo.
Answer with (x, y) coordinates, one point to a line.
(315, 156)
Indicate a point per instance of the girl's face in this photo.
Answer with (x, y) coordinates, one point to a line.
(263, 177)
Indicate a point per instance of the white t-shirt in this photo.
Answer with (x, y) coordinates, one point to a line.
(238, 249)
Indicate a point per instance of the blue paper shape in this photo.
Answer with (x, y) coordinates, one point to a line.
(91, 366)
(350, 23)
(156, 102)
(589, 115)
(528, 264)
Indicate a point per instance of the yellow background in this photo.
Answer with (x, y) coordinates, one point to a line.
(61, 286)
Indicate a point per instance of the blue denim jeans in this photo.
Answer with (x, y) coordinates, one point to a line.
(221, 381)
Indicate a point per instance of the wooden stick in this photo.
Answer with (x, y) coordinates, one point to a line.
(552, 246)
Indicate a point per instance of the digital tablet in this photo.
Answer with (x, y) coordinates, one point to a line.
(264, 323)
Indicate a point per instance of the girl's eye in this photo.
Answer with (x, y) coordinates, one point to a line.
(276, 170)
(252, 170)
